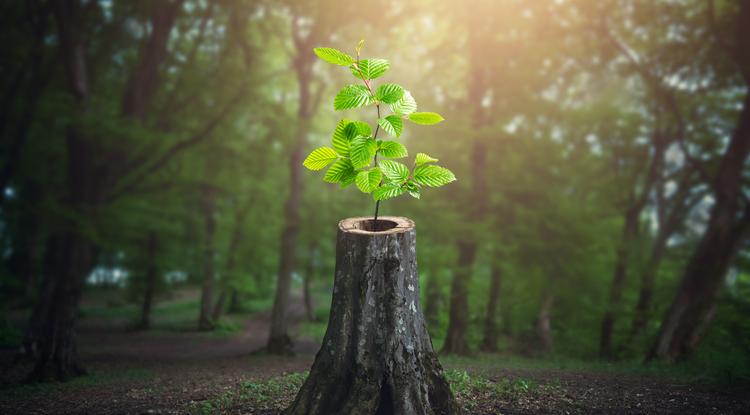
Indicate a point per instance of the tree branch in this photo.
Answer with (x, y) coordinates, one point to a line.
(663, 93)
(178, 147)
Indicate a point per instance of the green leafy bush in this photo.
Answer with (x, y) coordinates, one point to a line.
(356, 155)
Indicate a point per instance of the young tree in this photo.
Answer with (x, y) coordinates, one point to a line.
(377, 356)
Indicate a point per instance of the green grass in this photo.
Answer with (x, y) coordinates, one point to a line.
(274, 392)
(168, 316)
(25, 391)
(279, 391)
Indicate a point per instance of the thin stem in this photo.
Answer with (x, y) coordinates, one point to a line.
(375, 136)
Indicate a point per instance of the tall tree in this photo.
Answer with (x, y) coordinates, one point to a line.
(701, 282)
(278, 340)
(99, 171)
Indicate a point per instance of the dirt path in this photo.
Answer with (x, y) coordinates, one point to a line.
(182, 372)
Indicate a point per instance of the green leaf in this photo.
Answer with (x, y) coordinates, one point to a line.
(357, 128)
(389, 93)
(362, 151)
(348, 178)
(369, 180)
(319, 158)
(387, 191)
(406, 105)
(345, 132)
(340, 171)
(352, 96)
(393, 149)
(334, 56)
(432, 175)
(392, 124)
(413, 189)
(425, 118)
(394, 171)
(423, 158)
(371, 68)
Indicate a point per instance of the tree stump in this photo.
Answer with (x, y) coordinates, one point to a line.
(377, 356)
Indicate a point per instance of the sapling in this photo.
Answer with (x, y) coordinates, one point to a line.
(357, 155)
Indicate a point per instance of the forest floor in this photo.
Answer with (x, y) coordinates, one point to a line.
(181, 371)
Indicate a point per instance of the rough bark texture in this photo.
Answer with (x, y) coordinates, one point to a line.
(377, 356)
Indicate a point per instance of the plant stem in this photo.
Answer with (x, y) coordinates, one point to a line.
(377, 202)
(375, 136)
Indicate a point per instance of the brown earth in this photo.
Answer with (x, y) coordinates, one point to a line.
(191, 372)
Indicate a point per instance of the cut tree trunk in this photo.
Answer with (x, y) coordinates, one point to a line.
(377, 356)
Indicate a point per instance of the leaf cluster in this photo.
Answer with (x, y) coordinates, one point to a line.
(356, 155)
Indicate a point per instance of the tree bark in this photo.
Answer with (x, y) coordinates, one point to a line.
(489, 341)
(434, 299)
(151, 276)
(455, 341)
(207, 289)
(279, 341)
(544, 322)
(51, 338)
(70, 254)
(144, 78)
(629, 233)
(703, 276)
(693, 306)
(458, 316)
(377, 356)
(308, 277)
(234, 244)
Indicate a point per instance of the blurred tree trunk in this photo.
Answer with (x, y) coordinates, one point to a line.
(229, 268)
(152, 245)
(668, 224)
(309, 276)
(70, 253)
(544, 322)
(627, 242)
(455, 341)
(629, 234)
(234, 301)
(693, 304)
(279, 341)
(434, 299)
(458, 316)
(96, 175)
(38, 73)
(209, 252)
(489, 340)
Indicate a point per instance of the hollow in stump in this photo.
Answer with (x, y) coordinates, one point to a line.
(376, 356)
